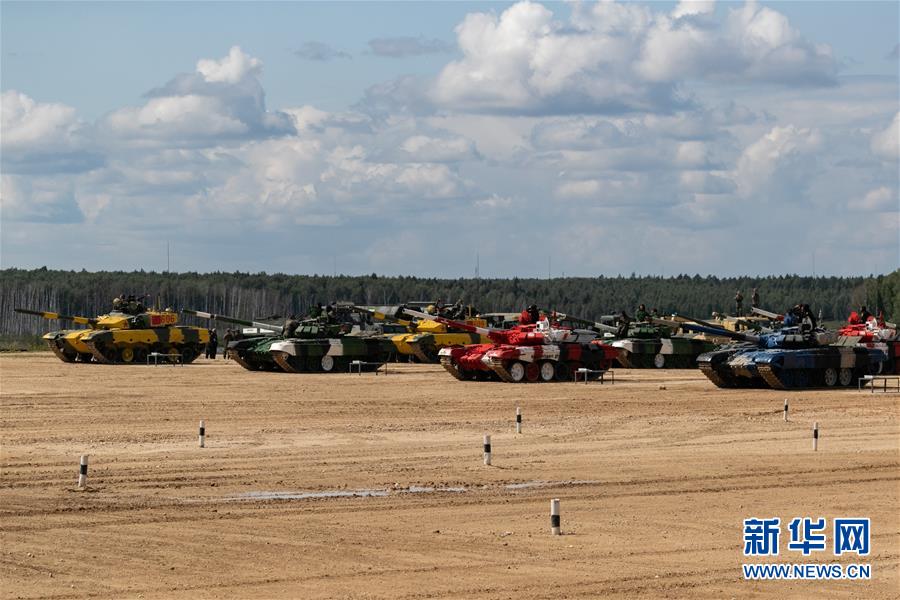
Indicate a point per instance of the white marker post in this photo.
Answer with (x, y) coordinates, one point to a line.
(82, 471)
(815, 436)
(785, 410)
(487, 449)
(554, 517)
(518, 420)
(202, 433)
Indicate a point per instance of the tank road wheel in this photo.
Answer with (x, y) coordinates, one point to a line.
(517, 371)
(85, 357)
(189, 355)
(801, 379)
(831, 377)
(532, 372)
(659, 361)
(327, 363)
(845, 377)
(126, 355)
(548, 371)
(140, 354)
(562, 372)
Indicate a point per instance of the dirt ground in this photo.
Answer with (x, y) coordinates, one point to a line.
(348, 486)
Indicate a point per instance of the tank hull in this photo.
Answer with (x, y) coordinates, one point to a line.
(124, 346)
(511, 363)
(254, 354)
(661, 353)
(331, 355)
(788, 369)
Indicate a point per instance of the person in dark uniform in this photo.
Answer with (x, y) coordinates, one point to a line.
(739, 304)
(212, 346)
(754, 299)
(316, 311)
(624, 322)
(864, 314)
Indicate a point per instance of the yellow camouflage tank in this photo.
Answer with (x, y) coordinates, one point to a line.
(125, 336)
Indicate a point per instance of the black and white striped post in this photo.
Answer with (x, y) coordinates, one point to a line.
(785, 410)
(518, 420)
(82, 471)
(554, 517)
(202, 433)
(487, 449)
(815, 436)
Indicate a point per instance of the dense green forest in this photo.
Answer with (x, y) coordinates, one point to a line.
(254, 295)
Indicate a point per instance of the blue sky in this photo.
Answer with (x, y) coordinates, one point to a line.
(407, 137)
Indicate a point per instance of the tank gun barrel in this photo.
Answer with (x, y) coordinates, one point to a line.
(245, 323)
(703, 327)
(378, 315)
(587, 323)
(450, 322)
(765, 313)
(57, 316)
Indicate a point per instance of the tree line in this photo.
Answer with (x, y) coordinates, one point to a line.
(260, 295)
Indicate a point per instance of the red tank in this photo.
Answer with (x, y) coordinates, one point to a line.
(539, 352)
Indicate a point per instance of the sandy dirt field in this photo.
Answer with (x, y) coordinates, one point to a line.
(347, 486)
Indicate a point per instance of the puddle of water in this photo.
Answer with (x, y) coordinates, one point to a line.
(540, 484)
(384, 492)
(310, 495)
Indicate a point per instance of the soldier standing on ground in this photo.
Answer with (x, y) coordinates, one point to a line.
(229, 335)
(739, 304)
(213, 345)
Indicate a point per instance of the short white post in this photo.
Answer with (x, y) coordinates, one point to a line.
(82, 471)
(785, 410)
(815, 436)
(202, 433)
(554, 517)
(518, 420)
(487, 449)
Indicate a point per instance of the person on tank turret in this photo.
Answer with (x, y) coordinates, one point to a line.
(529, 316)
(739, 304)
(290, 326)
(316, 310)
(654, 313)
(641, 313)
(624, 323)
(864, 315)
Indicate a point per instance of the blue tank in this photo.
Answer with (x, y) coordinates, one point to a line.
(794, 357)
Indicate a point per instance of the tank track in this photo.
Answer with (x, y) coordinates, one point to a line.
(282, 361)
(768, 374)
(59, 352)
(716, 378)
(448, 365)
(236, 357)
(419, 352)
(502, 372)
(98, 354)
(625, 359)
